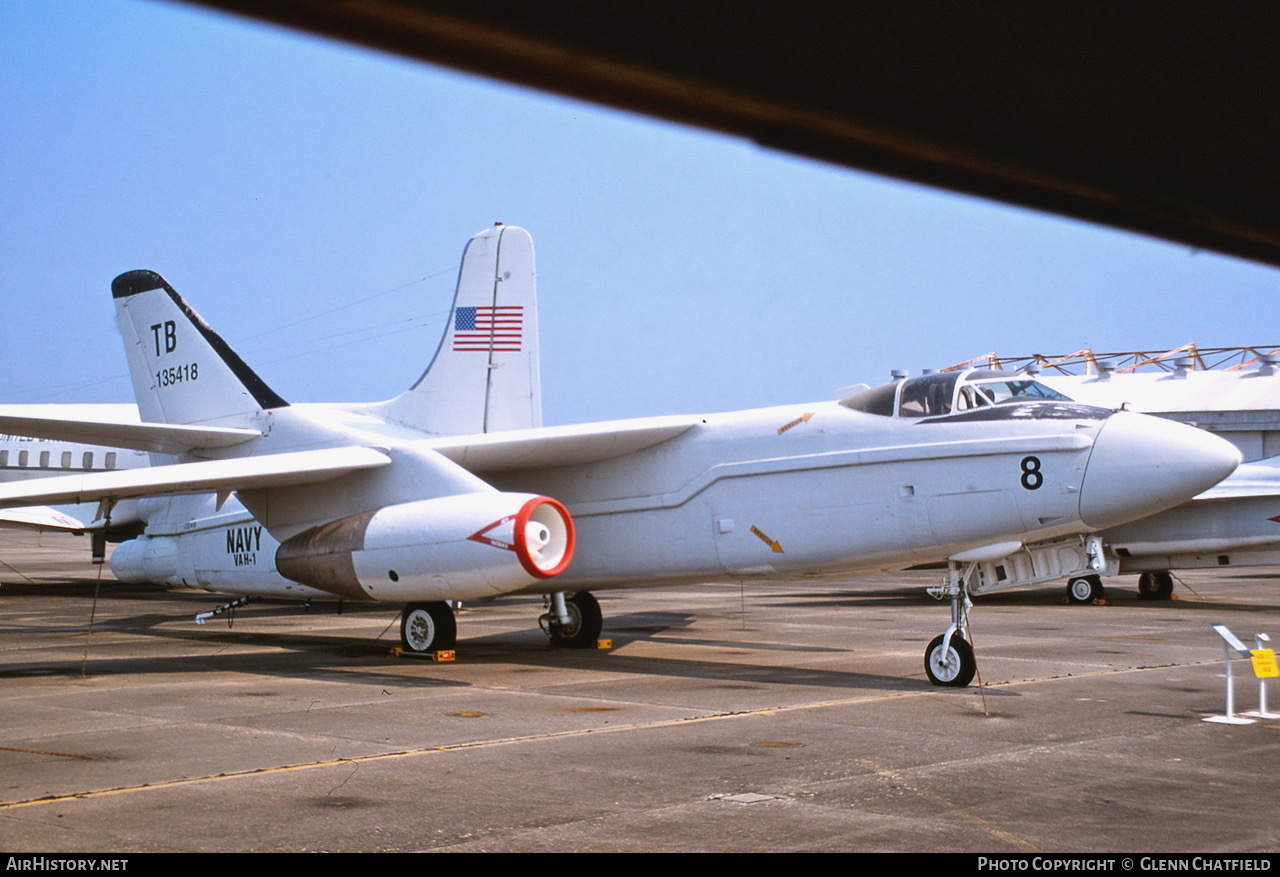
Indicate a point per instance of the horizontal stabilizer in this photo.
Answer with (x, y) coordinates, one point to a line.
(560, 445)
(160, 438)
(39, 518)
(241, 473)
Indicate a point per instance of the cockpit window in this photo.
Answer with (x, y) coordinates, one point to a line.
(946, 393)
(927, 396)
(1014, 390)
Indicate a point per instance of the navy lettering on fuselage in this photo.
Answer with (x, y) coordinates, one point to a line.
(243, 544)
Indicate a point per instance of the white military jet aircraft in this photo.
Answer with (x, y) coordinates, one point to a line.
(413, 502)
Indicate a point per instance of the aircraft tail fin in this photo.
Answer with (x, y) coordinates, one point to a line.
(182, 371)
(485, 376)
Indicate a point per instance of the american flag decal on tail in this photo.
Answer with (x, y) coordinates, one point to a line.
(488, 328)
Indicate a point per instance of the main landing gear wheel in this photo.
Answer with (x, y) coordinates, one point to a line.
(1155, 586)
(1085, 589)
(953, 666)
(585, 623)
(428, 627)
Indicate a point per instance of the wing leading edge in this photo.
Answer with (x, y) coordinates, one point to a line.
(553, 446)
(160, 438)
(242, 473)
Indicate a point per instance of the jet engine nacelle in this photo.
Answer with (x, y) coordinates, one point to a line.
(149, 560)
(451, 548)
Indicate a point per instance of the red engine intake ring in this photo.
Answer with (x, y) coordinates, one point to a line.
(551, 514)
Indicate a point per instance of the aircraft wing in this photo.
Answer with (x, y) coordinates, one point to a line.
(240, 473)
(162, 438)
(549, 447)
(39, 518)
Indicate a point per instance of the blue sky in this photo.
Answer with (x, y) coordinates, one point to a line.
(312, 200)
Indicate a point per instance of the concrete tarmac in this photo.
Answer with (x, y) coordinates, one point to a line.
(768, 716)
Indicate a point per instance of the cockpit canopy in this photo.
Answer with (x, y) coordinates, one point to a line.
(948, 393)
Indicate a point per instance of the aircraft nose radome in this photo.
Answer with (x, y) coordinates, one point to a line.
(1140, 465)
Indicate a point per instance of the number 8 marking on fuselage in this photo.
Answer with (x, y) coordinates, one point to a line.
(1031, 477)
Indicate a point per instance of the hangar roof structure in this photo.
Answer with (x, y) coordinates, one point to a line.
(1156, 118)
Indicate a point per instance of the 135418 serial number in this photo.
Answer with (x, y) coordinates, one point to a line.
(178, 374)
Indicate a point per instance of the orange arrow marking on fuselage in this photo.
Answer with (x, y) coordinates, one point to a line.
(799, 420)
(766, 540)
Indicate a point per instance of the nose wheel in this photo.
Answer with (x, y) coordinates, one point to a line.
(950, 662)
(949, 658)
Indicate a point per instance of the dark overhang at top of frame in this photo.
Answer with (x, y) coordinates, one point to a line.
(1159, 118)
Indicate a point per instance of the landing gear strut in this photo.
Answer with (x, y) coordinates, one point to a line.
(573, 623)
(949, 658)
(428, 627)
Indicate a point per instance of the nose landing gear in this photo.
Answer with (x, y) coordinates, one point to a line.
(949, 658)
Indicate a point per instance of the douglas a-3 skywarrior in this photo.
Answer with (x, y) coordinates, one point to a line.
(454, 491)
